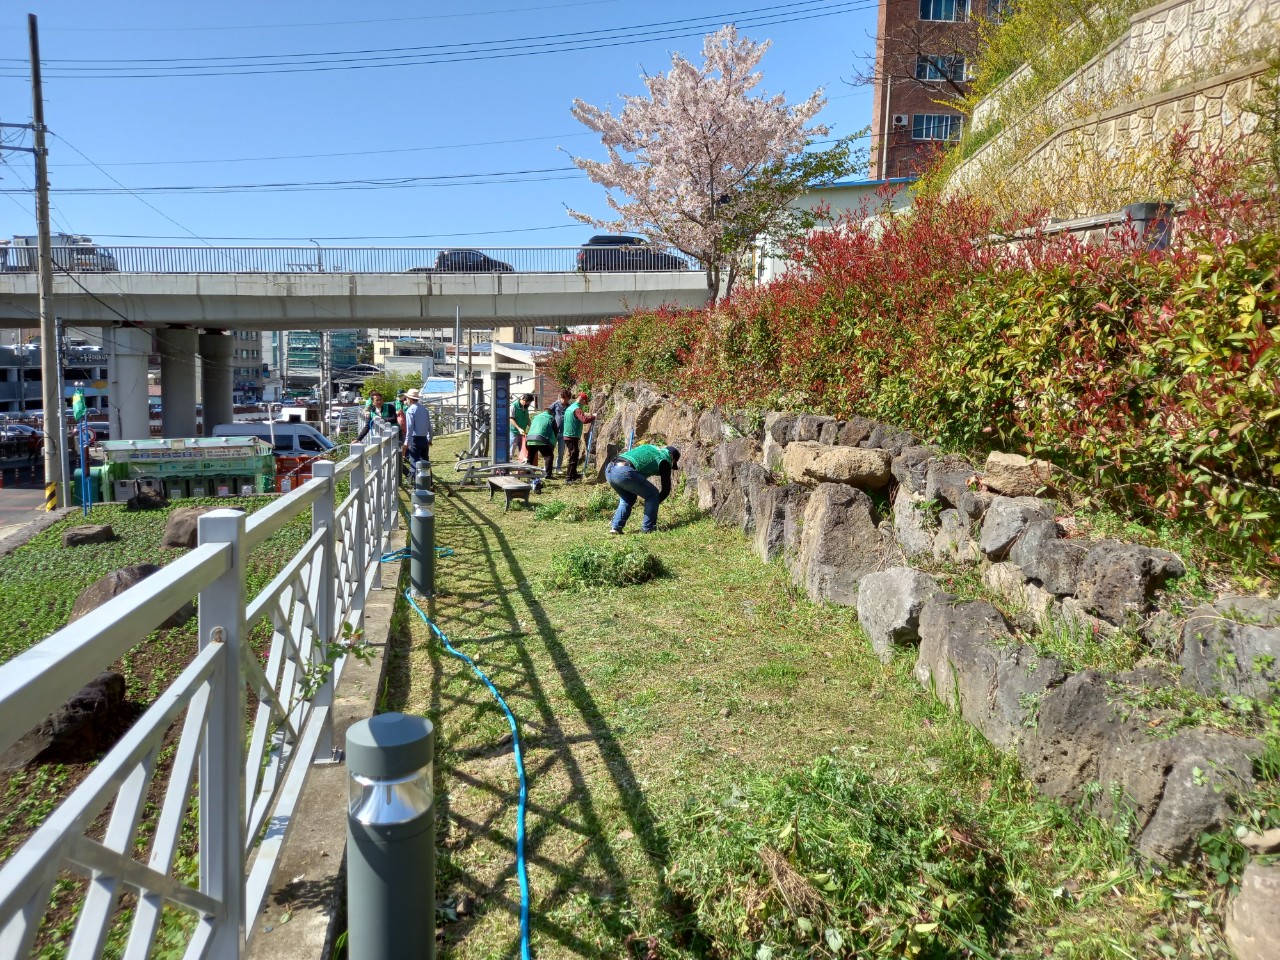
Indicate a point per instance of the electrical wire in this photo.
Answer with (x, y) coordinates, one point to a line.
(495, 53)
(325, 156)
(522, 868)
(330, 23)
(130, 63)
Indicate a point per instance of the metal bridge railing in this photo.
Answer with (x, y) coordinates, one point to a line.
(249, 780)
(302, 260)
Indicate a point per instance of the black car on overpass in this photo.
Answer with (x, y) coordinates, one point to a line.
(621, 252)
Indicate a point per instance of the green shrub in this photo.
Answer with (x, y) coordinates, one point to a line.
(604, 565)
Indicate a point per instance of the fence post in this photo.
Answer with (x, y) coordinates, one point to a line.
(222, 758)
(360, 486)
(376, 497)
(322, 518)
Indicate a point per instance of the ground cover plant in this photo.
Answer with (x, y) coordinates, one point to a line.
(1152, 376)
(720, 768)
(39, 583)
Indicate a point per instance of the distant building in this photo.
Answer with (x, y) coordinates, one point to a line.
(84, 367)
(248, 378)
(924, 60)
(844, 196)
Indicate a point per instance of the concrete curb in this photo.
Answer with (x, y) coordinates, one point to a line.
(297, 920)
(33, 527)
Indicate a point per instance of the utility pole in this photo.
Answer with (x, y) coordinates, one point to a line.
(54, 438)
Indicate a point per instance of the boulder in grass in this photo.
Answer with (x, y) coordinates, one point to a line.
(78, 731)
(87, 534)
(181, 530)
(147, 499)
(116, 583)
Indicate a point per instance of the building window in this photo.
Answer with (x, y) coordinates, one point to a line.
(935, 126)
(944, 9)
(941, 68)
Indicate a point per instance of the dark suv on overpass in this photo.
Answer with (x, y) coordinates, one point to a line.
(613, 252)
(465, 261)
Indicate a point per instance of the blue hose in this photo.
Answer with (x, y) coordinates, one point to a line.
(522, 869)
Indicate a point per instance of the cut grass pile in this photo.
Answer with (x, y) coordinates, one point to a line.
(604, 565)
(719, 768)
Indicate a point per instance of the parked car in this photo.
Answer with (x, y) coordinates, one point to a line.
(15, 431)
(465, 261)
(621, 252)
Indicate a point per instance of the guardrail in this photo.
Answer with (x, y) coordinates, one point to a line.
(249, 781)
(427, 260)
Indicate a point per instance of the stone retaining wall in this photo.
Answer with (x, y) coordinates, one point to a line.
(851, 505)
(1102, 136)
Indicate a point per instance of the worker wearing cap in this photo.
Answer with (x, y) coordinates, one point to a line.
(574, 419)
(629, 474)
(417, 430)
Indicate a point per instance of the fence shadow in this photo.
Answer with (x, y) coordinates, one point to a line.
(482, 572)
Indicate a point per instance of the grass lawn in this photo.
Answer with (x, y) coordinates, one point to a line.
(720, 768)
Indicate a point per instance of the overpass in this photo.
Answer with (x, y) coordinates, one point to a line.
(192, 297)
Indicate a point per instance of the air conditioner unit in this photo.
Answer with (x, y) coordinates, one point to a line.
(901, 120)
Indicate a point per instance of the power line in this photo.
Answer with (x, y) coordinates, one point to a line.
(130, 63)
(344, 64)
(327, 23)
(315, 156)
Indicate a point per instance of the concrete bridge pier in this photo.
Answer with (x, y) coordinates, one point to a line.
(216, 379)
(128, 349)
(177, 347)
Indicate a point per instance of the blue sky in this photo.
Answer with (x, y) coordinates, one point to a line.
(477, 110)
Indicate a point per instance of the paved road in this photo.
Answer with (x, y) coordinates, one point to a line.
(20, 503)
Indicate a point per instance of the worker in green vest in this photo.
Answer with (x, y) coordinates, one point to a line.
(629, 474)
(541, 439)
(574, 419)
(520, 426)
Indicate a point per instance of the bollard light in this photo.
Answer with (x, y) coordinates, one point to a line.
(422, 548)
(422, 479)
(391, 839)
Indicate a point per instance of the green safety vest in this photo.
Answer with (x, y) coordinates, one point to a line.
(543, 429)
(647, 458)
(572, 425)
(520, 415)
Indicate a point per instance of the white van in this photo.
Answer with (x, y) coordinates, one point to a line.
(289, 439)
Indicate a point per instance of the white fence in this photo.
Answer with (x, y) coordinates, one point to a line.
(249, 779)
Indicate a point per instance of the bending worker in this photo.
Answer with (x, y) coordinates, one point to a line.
(629, 475)
(541, 439)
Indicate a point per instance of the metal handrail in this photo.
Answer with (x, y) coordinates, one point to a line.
(310, 261)
(248, 786)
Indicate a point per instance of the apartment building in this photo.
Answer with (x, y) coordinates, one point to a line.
(924, 56)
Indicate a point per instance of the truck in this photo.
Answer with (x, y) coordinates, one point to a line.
(72, 253)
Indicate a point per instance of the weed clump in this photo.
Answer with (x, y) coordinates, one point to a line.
(600, 504)
(830, 861)
(592, 565)
(549, 510)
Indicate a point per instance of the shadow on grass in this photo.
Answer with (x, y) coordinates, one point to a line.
(566, 837)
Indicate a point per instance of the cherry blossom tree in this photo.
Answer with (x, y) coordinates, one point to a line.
(705, 164)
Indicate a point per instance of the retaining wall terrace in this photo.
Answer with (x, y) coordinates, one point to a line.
(855, 509)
